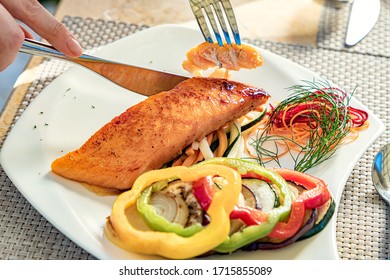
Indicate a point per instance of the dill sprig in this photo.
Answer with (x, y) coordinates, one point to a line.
(328, 123)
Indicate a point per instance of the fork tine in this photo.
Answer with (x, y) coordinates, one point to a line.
(221, 19)
(232, 20)
(197, 10)
(213, 23)
(207, 8)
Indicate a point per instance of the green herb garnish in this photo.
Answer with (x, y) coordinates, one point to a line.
(324, 111)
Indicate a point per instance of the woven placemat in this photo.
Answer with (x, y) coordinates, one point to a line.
(333, 26)
(362, 218)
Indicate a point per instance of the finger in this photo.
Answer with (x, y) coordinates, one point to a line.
(32, 13)
(11, 38)
(27, 34)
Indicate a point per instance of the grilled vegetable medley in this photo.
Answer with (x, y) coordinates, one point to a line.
(220, 205)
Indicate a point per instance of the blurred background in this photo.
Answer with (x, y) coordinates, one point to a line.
(9, 75)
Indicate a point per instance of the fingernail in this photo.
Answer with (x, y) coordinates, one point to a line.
(74, 46)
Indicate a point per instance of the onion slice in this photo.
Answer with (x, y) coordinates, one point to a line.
(172, 207)
(204, 147)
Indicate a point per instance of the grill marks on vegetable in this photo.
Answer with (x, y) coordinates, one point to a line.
(180, 192)
(262, 194)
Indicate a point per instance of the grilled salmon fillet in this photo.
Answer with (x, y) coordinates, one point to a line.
(154, 131)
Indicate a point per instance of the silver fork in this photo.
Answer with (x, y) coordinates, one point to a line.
(223, 10)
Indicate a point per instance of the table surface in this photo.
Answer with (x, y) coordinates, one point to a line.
(276, 20)
(294, 23)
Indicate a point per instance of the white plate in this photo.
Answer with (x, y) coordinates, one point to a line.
(76, 104)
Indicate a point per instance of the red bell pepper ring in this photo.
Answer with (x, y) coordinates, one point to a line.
(248, 216)
(316, 195)
(286, 230)
(203, 190)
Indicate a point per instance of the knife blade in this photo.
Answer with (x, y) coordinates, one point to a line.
(137, 79)
(363, 17)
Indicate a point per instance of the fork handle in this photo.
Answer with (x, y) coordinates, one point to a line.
(34, 47)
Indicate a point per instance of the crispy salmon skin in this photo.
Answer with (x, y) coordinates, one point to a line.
(154, 131)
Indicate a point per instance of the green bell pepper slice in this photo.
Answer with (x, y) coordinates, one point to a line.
(249, 169)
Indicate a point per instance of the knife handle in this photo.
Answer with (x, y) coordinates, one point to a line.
(34, 47)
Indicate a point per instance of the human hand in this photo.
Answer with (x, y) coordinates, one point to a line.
(34, 15)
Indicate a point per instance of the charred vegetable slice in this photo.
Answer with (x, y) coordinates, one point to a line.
(249, 197)
(185, 190)
(265, 194)
(325, 213)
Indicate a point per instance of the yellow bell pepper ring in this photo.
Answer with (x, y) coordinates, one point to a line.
(121, 231)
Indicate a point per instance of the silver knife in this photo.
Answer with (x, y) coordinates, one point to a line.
(363, 17)
(137, 79)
